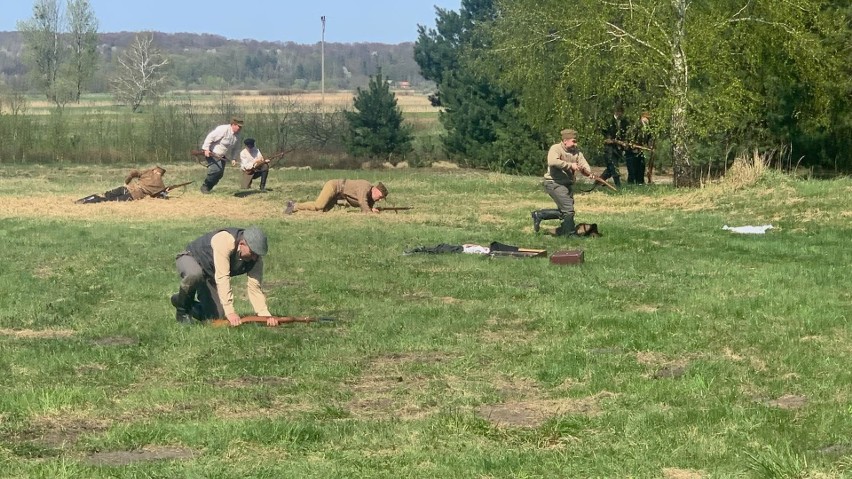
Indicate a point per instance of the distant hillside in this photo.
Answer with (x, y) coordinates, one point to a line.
(204, 61)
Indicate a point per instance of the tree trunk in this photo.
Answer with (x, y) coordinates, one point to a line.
(680, 86)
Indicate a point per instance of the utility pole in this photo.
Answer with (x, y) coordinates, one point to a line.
(322, 62)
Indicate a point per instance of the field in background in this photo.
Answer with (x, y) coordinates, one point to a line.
(677, 350)
(409, 101)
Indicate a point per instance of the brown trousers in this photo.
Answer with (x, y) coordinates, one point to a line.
(326, 199)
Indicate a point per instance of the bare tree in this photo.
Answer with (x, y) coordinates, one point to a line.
(141, 74)
(83, 39)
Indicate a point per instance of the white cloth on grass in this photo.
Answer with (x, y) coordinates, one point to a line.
(749, 230)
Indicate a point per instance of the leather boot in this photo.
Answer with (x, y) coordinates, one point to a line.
(567, 228)
(183, 305)
(540, 215)
(263, 176)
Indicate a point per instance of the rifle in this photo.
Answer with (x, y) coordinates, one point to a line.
(628, 144)
(267, 161)
(201, 159)
(600, 181)
(651, 168)
(169, 188)
(222, 323)
(396, 209)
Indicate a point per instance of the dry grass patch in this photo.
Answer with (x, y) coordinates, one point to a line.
(147, 453)
(37, 334)
(535, 412)
(675, 473)
(386, 389)
(788, 401)
(61, 431)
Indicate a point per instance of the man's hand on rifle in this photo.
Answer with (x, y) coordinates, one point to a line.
(271, 321)
(234, 319)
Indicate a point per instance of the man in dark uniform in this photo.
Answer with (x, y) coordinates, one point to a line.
(357, 193)
(615, 138)
(642, 137)
(148, 183)
(563, 159)
(206, 268)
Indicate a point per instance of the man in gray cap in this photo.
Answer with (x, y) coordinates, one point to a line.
(206, 268)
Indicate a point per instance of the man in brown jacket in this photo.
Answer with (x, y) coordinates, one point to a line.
(148, 183)
(358, 193)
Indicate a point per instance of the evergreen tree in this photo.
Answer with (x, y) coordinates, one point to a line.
(376, 129)
(484, 122)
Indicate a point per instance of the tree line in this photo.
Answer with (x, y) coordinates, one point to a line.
(60, 52)
(719, 78)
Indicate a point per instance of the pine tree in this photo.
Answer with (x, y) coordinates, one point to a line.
(376, 128)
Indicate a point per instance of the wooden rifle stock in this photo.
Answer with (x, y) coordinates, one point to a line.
(222, 323)
(603, 182)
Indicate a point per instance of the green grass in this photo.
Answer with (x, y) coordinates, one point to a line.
(677, 350)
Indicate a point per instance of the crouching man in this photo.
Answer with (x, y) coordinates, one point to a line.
(206, 268)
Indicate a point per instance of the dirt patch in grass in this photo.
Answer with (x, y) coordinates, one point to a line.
(147, 453)
(388, 388)
(252, 381)
(674, 473)
(534, 412)
(663, 367)
(110, 341)
(508, 332)
(788, 401)
(40, 334)
(61, 433)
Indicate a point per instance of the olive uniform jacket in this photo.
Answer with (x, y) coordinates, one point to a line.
(356, 193)
(147, 183)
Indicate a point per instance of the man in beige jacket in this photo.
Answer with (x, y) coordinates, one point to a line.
(563, 160)
(357, 193)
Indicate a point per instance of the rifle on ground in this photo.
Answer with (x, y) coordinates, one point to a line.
(221, 323)
(169, 188)
(628, 144)
(396, 209)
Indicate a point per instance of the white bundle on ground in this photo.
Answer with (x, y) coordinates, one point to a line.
(749, 230)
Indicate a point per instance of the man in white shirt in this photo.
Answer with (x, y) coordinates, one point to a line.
(253, 165)
(216, 147)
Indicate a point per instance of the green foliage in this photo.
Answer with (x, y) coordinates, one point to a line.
(485, 125)
(719, 77)
(376, 128)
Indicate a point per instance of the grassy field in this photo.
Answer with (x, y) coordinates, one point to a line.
(678, 350)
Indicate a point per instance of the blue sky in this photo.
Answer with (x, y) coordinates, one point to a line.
(352, 21)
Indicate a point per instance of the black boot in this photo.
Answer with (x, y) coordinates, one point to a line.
(183, 305)
(263, 176)
(540, 215)
(567, 228)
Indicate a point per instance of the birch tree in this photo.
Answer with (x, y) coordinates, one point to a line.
(141, 75)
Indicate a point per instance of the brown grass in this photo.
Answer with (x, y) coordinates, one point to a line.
(407, 101)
